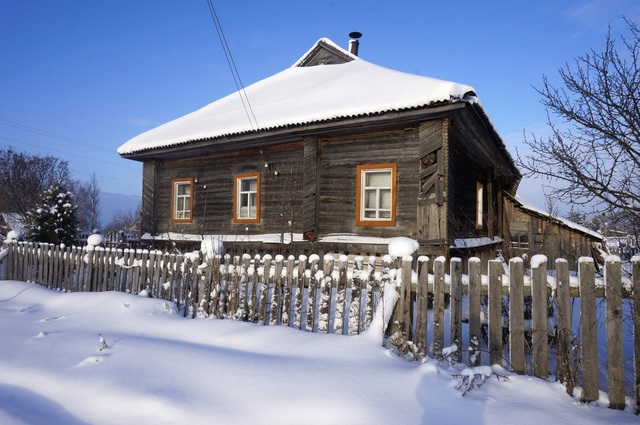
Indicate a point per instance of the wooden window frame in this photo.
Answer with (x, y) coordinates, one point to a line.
(174, 186)
(236, 197)
(360, 172)
(479, 205)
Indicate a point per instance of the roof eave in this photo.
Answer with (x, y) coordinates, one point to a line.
(289, 133)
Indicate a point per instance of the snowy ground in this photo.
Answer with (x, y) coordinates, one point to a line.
(160, 368)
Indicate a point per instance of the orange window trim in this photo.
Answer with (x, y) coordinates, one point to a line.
(173, 200)
(236, 180)
(360, 202)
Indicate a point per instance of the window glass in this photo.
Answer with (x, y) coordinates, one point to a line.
(375, 198)
(182, 201)
(247, 200)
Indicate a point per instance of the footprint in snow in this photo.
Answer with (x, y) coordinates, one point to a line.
(90, 360)
(49, 319)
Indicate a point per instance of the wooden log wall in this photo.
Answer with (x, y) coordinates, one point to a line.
(339, 294)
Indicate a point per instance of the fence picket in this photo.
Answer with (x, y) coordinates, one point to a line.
(539, 326)
(438, 306)
(456, 306)
(301, 282)
(287, 288)
(475, 302)
(495, 312)
(422, 293)
(516, 315)
(341, 295)
(613, 300)
(371, 287)
(326, 287)
(312, 293)
(588, 330)
(356, 291)
(565, 372)
(253, 281)
(276, 294)
(264, 290)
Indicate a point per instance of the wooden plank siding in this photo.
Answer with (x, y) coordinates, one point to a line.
(433, 198)
(338, 160)
(545, 236)
(213, 191)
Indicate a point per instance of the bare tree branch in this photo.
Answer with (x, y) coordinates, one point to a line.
(592, 156)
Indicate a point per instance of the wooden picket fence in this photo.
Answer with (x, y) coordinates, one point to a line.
(340, 295)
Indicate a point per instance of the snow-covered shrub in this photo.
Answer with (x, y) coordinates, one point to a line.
(475, 377)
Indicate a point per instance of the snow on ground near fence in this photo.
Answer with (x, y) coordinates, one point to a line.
(111, 357)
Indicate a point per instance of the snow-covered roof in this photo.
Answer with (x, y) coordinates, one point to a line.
(301, 95)
(564, 221)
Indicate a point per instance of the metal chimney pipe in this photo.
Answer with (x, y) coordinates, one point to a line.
(354, 43)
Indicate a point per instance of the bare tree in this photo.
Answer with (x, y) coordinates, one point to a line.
(125, 220)
(88, 201)
(593, 154)
(24, 178)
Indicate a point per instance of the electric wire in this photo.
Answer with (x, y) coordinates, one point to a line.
(234, 70)
(52, 135)
(66, 153)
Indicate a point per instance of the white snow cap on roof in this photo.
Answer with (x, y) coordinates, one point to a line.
(301, 95)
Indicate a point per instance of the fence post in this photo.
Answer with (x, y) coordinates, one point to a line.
(613, 301)
(635, 264)
(495, 312)
(516, 315)
(475, 327)
(438, 306)
(588, 330)
(455, 267)
(565, 372)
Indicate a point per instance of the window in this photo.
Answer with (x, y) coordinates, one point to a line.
(479, 204)
(519, 234)
(182, 200)
(376, 195)
(246, 204)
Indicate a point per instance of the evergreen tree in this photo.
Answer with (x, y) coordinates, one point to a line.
(54, 220)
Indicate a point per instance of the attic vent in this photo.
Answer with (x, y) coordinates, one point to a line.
(354, 43)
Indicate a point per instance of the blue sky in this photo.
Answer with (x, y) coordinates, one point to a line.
(95, 74)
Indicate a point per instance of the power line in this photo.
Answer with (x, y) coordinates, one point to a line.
(232, 66)
(67, 153)
(52, 135)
